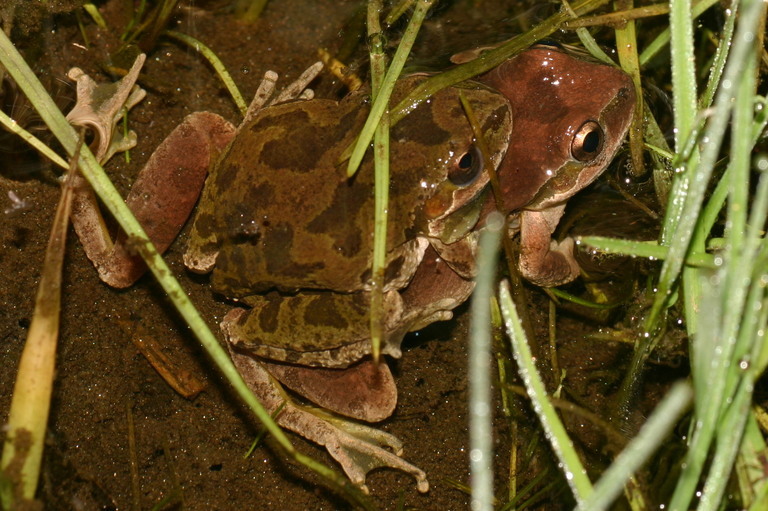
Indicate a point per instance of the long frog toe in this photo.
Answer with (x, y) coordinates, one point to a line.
(360, 449)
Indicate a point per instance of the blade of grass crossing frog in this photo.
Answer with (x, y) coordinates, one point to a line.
(484, 62)
(381, 180)
(490, 59)
(381, 102)
(561, 444)
(49, 112)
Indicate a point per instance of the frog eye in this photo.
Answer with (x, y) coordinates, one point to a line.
(467, 168)
(588, 142)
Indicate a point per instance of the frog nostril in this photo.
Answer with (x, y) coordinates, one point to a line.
(587, 143)
(468, 167)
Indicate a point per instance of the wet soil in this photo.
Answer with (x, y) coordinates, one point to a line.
(194, 449)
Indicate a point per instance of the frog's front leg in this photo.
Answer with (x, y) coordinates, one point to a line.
(544, 261)
(357, 448)
(161, 198)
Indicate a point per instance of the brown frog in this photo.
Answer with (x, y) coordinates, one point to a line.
(287, 235)
(570, 117)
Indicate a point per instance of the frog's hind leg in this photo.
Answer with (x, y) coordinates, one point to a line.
(364, 391)
(161, 198)
(357, 448)
(318, 345)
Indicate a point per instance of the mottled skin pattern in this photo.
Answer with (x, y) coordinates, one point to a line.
(279, 213)
(325, 243)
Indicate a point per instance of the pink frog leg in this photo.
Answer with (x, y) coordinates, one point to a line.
(544, 261)
(162, 197)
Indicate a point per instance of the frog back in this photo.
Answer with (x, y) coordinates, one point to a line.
(279, 212)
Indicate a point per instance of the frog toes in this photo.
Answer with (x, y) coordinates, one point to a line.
(264, 96)
(100, 107)
(360, 449)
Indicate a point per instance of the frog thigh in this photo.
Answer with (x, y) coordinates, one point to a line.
(317, 329)
(362, 391)
(161, 199)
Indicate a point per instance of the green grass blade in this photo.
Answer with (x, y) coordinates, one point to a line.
(694, 192)
(653, 433)
(662, 40)
(684, 100)
(217, 64)
(721, 57)
(574, 471)
(649, 249)
(727, 305)
(479, 374)
(385, 91)
(490, 59)
(381, 179)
